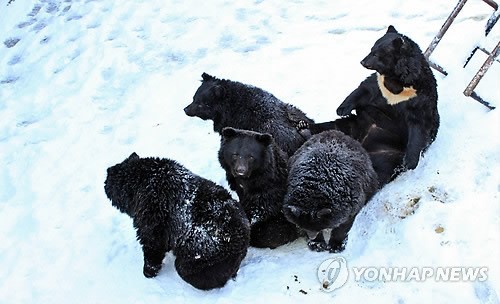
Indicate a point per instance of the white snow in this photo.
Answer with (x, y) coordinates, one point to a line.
(89, 82)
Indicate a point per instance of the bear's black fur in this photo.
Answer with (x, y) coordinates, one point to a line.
(174, 209)
(330, 179)
(396, 108)
(256, 168)
(233, 104)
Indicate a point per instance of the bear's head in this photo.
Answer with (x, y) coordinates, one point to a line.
(396, 56)
(115, 184)
(124, 163)
(206, 99)
(311, 220)
(244, 153)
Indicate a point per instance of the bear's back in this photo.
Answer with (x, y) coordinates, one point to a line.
(334, 163)
(162, 177)
(208, 222)
(255, 109)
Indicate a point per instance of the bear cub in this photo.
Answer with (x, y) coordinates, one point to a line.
(175, 210)
(330, 179)
(233, 104)
(256, 169)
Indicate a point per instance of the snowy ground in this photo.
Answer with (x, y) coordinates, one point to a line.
(85, 83)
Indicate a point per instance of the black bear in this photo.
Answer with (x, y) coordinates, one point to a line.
(256, 169)
(233, 104)
(175, 210)
(396, 108)
(330, 179)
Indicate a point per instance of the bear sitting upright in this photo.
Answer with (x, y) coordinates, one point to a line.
(396, 108)
(234, 104)
(330, 179)
(256, 168)
(174, 209)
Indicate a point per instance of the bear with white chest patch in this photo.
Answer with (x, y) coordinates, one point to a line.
(396, 107)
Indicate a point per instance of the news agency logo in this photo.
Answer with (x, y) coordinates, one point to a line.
(333, 273)
(420, 274)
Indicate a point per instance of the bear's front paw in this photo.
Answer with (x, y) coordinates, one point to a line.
(337, 247)
(301, 125)
(317, 246)
(151, 271)
(303, 128)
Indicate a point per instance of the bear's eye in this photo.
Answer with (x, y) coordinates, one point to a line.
(234, 156)
(251, 158)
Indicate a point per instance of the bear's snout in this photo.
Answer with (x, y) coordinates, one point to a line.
(241, 170)
(189, 110)
(367, 62)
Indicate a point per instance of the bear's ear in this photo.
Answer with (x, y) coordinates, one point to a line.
(323, 212)
(133, 156)
(398, 43)
(229, 132)
(219, 91)
(265, 138)
(207, 77)
(391, 29)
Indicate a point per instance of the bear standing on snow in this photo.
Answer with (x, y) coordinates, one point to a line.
(330, 179)
(173, 209)
(256, 168)
(396, 108)
(233, 104)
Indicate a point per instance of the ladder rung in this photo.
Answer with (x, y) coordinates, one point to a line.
(487, 53)
(492, 3)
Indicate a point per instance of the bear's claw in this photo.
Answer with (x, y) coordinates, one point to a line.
(301, 125)
(317, 246)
